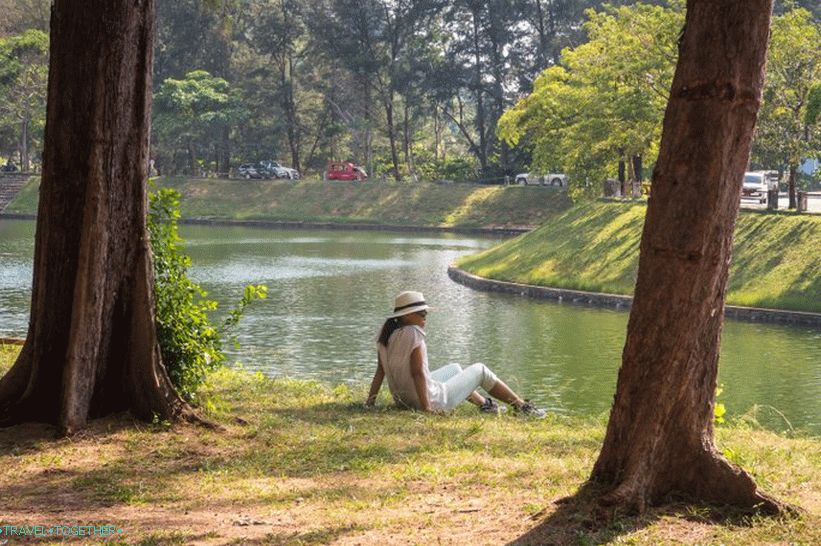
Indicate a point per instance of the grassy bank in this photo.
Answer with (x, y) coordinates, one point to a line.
(595, 246)
(344, 202)
(306, 464)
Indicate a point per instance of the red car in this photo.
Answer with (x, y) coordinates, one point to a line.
(342, 170)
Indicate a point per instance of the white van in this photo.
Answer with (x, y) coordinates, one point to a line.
(552, 179)
(757, 183)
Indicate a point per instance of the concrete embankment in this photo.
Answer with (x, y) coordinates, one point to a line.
(617, 301)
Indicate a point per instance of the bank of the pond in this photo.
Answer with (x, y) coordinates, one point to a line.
(594, 247)
(325, 204)
(300, 462)
(618, 301)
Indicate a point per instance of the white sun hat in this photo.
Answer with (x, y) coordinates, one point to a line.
(408, 302)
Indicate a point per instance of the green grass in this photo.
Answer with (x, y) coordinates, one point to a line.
(310, 458)
(26, 201)
(595, 246)
(404, 204)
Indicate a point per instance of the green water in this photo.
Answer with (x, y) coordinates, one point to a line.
(329, 292)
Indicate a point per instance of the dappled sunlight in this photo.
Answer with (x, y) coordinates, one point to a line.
(471, 201)
(595, 246)
(307, 460)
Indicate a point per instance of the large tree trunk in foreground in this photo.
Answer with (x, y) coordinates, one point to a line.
(91, 347)
(659, 438)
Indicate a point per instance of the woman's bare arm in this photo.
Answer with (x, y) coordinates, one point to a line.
(419, 382)
(376, 383)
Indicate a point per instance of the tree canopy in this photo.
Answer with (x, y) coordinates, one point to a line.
(23, 78)
(604, 103)
(789, 128)
(412, 89)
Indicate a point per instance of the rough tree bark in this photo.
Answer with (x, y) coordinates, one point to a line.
(659, 439)
(791, 185)
(91, 347)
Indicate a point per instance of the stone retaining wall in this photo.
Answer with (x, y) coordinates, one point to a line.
(621, 302)
(275, 224)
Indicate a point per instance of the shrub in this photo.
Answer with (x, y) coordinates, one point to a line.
(191, 344)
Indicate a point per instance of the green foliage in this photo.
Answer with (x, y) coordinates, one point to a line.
(191, 113)
(23, 80)
(458, 168)
(191, 344)
(606, 100)
(788, 128)
(719, 410)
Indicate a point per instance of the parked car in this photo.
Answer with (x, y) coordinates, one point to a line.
(275, 169)
(343, 170)
(552, 179)
(248, 170)
(757, 183)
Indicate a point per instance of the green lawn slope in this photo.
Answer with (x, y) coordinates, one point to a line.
(424, 204)
(368, 202)
(595, 246)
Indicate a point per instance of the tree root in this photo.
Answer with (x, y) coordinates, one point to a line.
(718, 482)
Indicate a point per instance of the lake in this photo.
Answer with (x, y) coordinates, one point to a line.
(329, 292)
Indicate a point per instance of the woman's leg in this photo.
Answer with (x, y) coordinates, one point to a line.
(446, 372)
(505, 394)
(449, 371)
(462, 386)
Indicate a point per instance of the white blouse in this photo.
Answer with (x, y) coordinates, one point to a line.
(396, 364)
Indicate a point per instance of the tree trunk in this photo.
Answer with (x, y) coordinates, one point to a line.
(791, 186)
(638, 170)
(408, 143)
(25, 161)
(542, 32)
(478, 90)
(391, 127)
(225, 150)
(91, 346)
(659, 439)
(437, 133)
(192, 158)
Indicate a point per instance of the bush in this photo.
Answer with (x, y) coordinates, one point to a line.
(458, 169)
(191, 344)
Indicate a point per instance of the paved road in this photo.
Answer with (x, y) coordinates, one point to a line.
(813, 203)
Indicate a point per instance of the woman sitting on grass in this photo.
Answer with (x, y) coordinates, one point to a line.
(402, 356)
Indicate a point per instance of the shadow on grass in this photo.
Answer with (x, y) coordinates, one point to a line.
(318, 536)
(580, 519)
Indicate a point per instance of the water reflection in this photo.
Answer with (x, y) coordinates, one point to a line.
(329, 292)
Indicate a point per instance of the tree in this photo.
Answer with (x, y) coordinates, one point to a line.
(659, 439)
(788, 129)
(192, 112)
(91, 347)
(604, 104)
(480, 58)
(23, 75)
(193, 35)
(22, 15)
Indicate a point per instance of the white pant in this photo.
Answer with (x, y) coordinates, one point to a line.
(460, 383)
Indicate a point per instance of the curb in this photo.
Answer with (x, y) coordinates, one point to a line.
(617, 301)
(298, 224)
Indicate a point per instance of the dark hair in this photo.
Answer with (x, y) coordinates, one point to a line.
(391, 325)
